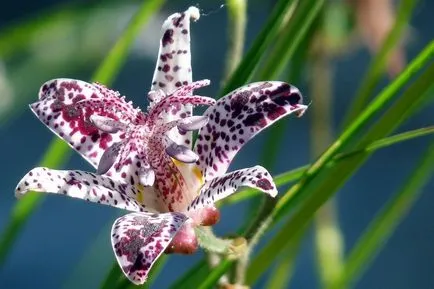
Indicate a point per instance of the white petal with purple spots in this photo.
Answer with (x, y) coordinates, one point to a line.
(221, 187)
(89, 187)
(238, 117)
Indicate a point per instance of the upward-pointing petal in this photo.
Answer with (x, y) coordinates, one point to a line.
(238, 117)
(173, 68)
(139, 239)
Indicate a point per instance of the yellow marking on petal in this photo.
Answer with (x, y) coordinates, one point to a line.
(140, 193)
(198, 174)
(192, 175)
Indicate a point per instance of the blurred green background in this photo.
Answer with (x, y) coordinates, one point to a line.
(65, 243)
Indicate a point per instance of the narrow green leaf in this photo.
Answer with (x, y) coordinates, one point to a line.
(284, 268)
(386, 221)
(113, 277)
(213, 277)
(292, 35)
(316, 193)
(383, 99)
(58, 151)
(110, 67)
(295, 174)
(379, 61)
(246, 68)
(25, 207)
(193, 276)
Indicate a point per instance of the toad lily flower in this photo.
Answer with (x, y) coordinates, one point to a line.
(145, 162)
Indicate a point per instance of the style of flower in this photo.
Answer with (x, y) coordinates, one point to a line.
(145, 162)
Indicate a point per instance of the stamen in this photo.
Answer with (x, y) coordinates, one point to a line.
(192, 123)
(181, 153)
(107, 124)
(108, 158)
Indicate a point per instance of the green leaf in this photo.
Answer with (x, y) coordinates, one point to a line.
(292, 35)
(295, 174)
(22, 211)
(58, 151)
(113, 277)
(246, 68)
(193, 276)
(312, 194)
(285, 265)
(386, 221)
(379, 61)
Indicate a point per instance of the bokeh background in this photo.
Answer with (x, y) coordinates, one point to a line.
(66, 242)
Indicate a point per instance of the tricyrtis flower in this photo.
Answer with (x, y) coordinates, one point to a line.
(145, 162)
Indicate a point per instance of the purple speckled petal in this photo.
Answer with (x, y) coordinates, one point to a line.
(89, 187)
(221, 187)
(139, 239)
(173, 68)
(65, 106)
(238, 117)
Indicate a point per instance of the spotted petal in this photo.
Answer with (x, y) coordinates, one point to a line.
(221, 187)
(173, 68)
(66, 105)
(89, 187)
(238, 117)
(139, 239)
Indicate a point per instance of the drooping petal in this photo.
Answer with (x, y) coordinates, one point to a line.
(173, 68)
(219, 188)
(89, 187)
(139, 239)
(238, 117)
(66, 105)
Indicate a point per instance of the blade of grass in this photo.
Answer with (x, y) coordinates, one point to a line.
(237, 19)
(295, 174)
(327, 183)
(110, 67)
(193, 276)
(246, 68)
(113, 277)
(292, 35)
(25, 207)
(386, 221)
(58, 151)
(284, 268)
(382, 100)
(379, 61)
